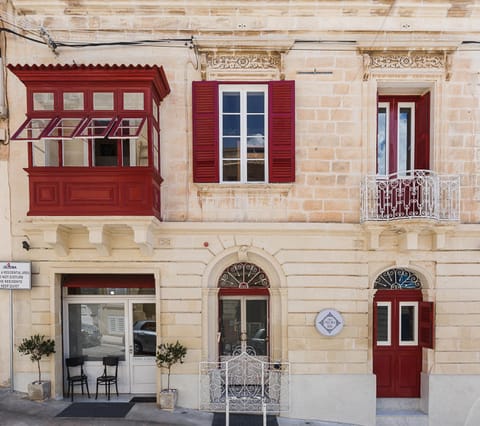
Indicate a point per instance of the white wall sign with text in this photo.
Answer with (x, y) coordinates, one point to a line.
(329, 322)
(15, 275)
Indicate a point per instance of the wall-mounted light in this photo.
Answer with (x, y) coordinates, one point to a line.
(25, 245)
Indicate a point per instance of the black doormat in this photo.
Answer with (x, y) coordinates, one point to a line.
(243, 420)
(144, 399)
(97, 409)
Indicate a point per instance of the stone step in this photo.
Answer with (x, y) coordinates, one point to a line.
(400, 412)
(398, 404)
(401, 418)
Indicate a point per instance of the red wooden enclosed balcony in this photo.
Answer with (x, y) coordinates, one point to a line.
(93, 139)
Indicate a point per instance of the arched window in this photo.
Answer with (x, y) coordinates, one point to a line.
(243, 275)
(397, 279)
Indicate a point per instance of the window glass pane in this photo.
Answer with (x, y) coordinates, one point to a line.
(75, 152)
(383, 327)
(231, 170)
(407, 323)
(140, 155)
(133, 101)
(128, 127)
(155, 149)
(230, 326)
(64, 129)
(255, 102)
(404, 139)
(45, 153)
(103, 101)
(255, 125)
(231, 148)
(105, 152)
(96, 128)
(155, 111)
(257, 325)
(33, 129)
(73, 101)
(43, 101)
(382, 141)
(96, 329)
(231, 125)
(231, 102)
(144, 329)
(255, 171)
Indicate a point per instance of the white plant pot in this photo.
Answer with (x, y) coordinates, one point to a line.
(168, 399)
(39, 391)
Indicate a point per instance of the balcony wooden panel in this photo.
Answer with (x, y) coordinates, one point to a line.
(79, 191)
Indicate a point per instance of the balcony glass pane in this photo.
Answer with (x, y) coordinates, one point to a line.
(64, 129)
(127, 128)
(73, 101)
(103, 101)
(32, 130)
(75, 152)
(105, 152)
(133, 101)
(43, 101)
(96, 128)
(45, 153)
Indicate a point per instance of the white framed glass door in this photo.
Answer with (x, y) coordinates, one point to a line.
(114, 326)
(142, 346)
(243, 326)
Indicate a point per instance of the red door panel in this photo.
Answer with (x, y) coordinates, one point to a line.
(397, 353)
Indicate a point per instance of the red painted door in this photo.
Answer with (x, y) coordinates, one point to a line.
(397, 352)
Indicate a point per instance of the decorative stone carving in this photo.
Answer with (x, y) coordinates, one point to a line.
(232, 64)
(399, 61)
(243, 62)
(409, 60)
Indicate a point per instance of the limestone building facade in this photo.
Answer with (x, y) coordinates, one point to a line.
(238, 175)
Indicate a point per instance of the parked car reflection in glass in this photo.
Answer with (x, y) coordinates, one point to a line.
(144, 337)
(259, 342)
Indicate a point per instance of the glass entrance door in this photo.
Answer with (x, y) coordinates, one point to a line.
(124, 327)
(243, 326)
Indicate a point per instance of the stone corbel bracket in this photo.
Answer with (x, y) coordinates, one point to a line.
(57, 237)
(411, 61)
(100, 238)
(143, 236)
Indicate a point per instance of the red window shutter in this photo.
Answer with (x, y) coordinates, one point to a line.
(422, 132)
(281, 131)
(205, 131)
(426, 324)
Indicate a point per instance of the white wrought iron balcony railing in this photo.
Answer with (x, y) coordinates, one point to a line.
(415, 194)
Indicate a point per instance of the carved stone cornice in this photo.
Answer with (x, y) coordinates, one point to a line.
(225, 64)
(398, 61)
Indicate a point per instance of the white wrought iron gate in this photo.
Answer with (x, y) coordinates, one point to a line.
(244, 384)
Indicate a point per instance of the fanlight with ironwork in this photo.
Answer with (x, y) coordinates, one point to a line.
(397, 278)
(243, 275)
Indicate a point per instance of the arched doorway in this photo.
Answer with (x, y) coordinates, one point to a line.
(402, 325)
(244, 313)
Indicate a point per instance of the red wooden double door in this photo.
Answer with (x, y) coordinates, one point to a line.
(403, 325)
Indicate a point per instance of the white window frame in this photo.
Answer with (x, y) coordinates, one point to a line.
(410, 105)
(413, 342)
(387, 342)
(243, 89)
(385, 105)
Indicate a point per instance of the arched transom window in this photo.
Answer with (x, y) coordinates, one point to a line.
(243, 275)
(397, 279)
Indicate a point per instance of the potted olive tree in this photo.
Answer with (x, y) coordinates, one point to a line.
(169, 354)
(37, 347)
